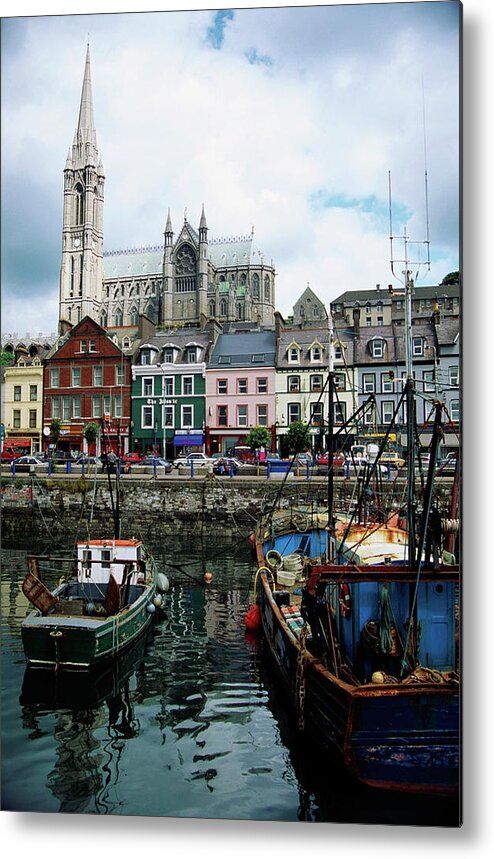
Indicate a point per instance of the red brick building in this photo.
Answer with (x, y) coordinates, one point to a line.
(86, 378)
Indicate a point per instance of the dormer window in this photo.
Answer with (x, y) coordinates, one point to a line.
(168, 355)
(293, 354)
(338, 352)
(191, 354)
(377, 347)
(316, 353)
(145, 356)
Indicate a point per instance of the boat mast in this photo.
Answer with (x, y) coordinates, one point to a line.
(331, 388)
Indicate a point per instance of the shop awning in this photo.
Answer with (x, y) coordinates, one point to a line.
(188, 440)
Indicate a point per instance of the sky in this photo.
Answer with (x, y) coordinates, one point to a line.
(288, 120)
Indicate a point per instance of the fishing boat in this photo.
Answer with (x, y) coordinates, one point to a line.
(360, 612)
(105, 600)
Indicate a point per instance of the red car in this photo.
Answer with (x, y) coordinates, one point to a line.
(338, 459)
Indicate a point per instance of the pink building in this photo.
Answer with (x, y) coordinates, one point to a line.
(240, 388)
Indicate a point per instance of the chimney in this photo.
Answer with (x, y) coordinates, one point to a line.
(390, 288)
(356, 319)
(378, 287)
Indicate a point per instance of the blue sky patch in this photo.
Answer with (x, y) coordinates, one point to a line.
(370, 205)
(256, 59)
(216, 33)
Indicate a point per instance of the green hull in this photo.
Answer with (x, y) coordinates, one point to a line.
(80, 642)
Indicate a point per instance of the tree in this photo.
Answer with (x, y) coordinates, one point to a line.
(7, 358)
(258, 437)
(297, 439)
(451, 278)
(55, 429)
(91, 433)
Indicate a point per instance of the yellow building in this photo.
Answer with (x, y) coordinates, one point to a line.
(23, 400)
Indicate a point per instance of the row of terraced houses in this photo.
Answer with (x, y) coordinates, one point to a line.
(203, 388)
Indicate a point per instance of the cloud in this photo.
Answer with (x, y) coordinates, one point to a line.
(289, 119)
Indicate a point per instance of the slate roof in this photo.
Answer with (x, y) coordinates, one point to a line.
(244, 349)
(176, 338)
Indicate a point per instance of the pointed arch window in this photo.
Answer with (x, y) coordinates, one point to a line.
(243, 279)
(267, 288)
(134, 316)
(255, 286)
(240, 311)
(79, 204)
(118, 317)
(212, 308)
(103, 319)
(223, 307)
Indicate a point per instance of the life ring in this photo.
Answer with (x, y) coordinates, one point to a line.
(345, 600)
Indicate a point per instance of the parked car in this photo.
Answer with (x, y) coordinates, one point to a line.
(393, 458)
(302, 459)
(158, 460)
(130, 457)
(27, 463)
(88, 460)
(196, 458)
(339, 461)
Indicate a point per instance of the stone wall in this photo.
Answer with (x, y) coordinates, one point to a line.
(66, 508)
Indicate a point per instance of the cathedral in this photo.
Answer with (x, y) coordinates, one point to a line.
(186, 281)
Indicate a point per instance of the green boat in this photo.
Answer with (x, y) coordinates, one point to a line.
(95, 613)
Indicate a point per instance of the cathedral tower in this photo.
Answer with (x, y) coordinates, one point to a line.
(81, 273)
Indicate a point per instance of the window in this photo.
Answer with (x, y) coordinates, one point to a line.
(222, 416)
(368, 383)
(262, 416)
(117, 406)
(106, 404)
(223, 307)
(105, 558)
(380, 320)
(147, 417)
(224, 359)
(147, 386)
(316, 354)
(17, 393)
(55, 407)
(386, 384)
(454, 376)
(97, 376)
(339, 413)
(387, 411)
(54, 377)
(418, 346)
(428, 377)
(83, 346)
(293, 384)
(168, 386)
(222, 386)
(377, 348)
(293, 354)
(293, 412)
(120, 375)
(76, 407)
(340, 381)
(167, 355)
(267, 288)
(168, 416)
(455, 410)
(33, 415)
(33, 392)
(316, 384)
(338, 352)
(258, 358)
(255, 286)
(145, 356)
(96, 407)
(242, 416)
(241, 386)
(66, 408)
(76, 377)
(187, 416)
(188, 386)
(92, 345)
(192, 355)
(16, 418)
(262, 386)
(316, 414)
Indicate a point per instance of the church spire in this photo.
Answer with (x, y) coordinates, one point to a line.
(85, 125)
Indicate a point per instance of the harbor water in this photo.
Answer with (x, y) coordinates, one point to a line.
(189, 723)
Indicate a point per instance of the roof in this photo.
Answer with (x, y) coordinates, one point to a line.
(244, 349)
(383, 294)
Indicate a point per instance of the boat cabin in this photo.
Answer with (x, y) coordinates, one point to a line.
(97, 560)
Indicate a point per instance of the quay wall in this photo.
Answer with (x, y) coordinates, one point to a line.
(64, 508)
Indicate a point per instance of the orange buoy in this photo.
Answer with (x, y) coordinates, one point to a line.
(253, 617)
(208, 577)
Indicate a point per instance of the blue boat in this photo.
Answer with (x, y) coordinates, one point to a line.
(361, 616)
